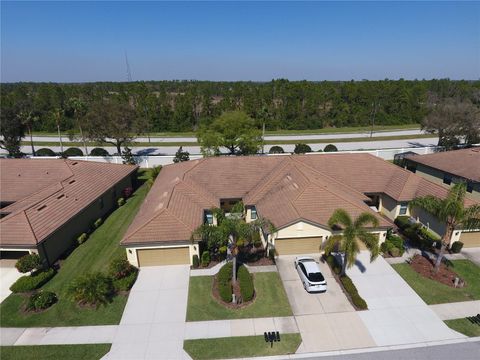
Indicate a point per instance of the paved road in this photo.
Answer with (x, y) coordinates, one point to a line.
(305, 137)
(360, 145)
(462, 351)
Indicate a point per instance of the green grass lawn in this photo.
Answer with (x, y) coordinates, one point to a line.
(242, 346)
(54, 352)
(433, 292)
(464, 326)
(94, 255)
(271, 300)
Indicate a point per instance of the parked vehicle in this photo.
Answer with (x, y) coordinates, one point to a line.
(310, 275)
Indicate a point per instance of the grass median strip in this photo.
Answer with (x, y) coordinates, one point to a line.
(464, 326)
(239, 347)
(271, 300)
(53, 352)
(433, 292)
(94, 255)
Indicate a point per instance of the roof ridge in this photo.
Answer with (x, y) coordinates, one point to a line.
(144, 224)
(193, 189)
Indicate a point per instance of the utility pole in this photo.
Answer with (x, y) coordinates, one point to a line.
(129, 73)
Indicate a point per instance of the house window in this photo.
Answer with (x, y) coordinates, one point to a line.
(403, 208)
(469, 187)
(253, 214)
(447, 179)
(208, 218)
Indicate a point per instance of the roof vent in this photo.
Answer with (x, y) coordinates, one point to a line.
(74, 163)
(41, 207)
(71, 182)
(61, 196)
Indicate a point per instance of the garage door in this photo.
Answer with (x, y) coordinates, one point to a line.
(294, 246)
(166, 256)
(470, 239)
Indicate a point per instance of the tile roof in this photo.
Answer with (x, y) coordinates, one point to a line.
(285, 189)
(48, 193)
(464, 163)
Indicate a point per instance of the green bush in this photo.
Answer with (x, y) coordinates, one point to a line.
(225, 291)
(386, 246)
(457, 247)
(91, 289)
(302, 148)
(195, 261)
(330, 148)
(394, 251)
(32, 282)
(41, 300)
(28, 263)
(397, 241)
(205, 258)
(120, 268)
(224, 278)
(225, 273)
(45, 152)
(222, 250)
(276, 150)
(351, 289)
(402, 222)
(245, 281)
(121, 202)
(99, 152)
(271, 254)
(333, 264)
(126, 283)
(97, 223)
(73, 151)
(82, 238)
(428, 235)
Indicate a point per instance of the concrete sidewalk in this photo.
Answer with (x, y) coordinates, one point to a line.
(58, 335)
(215, 269)
(456, 310)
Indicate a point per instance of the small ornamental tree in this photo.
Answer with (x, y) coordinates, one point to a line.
(28, 263)
(276, 150)
(128, 157)
(330, 148)
(91, 289)
(181, 155)
(302, 148)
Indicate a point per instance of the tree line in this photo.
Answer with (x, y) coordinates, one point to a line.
(96, 110)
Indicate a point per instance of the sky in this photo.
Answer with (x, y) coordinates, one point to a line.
(228, 41)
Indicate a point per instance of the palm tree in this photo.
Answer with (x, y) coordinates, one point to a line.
(28, 118)
(57, 114)
(79, 109)
(152, 175)
(354, 232)
(452, 212)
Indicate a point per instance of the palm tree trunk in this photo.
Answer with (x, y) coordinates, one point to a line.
(83, 139)
(445, 240)
(31, 141)
(60, 138)
(344, 264)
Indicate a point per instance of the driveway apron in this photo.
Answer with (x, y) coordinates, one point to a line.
(153, 323)
(396, 315)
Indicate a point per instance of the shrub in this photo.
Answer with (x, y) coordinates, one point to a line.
(351, 289)
(32, 282)
(276, 150)
(302, 148)
(73, 151)
(222, 250)
(126, 283)
(97, 223)
(428, 235)
(330, 148)
(82, 238)
(225, 291)
(195, 261)
(28, 263)
(121, 201)
(45, 152)
(225, 272)
(402, 222)
(457, 247)
(205, 258)
(245, 281)
(394, 251)
(224, 277)
(333, 264)
(91, 289)
(386, 246)
(127, 192)
(396, 241)
(240, 242)
(257, 243)
(120, 268)
(41, 300)
(99, 152)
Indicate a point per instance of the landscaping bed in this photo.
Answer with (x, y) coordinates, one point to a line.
(434, 292)
(425, 267)
(53, 352)
(94, 255)
(270, 300)
(240, 347)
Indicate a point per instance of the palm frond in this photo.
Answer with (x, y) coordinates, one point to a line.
(331, 243)
(371, 242)
(340, 217)
(364, 219)
(471, 218)
(430, 204)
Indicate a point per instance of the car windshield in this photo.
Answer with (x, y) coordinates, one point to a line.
(316, 277)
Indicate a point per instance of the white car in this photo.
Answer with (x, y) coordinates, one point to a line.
(310, 275)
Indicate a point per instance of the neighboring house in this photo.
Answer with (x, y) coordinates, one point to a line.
(448, 168)
(298, 194)
(47, 204)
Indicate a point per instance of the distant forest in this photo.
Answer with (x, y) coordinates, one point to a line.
(279, 104)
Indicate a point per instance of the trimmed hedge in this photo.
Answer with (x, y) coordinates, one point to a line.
(195, 261)
(28, 263)
(45, 152)
(32, 282)
(205, 258)
(245, 281)
(276, 150)
(99, 152)
(330, 148)
(351, 289)
(73, 151)
(224, 278)
(333, 264)
(41, 300)
(302, 148)
(402, 222)
(457, 247)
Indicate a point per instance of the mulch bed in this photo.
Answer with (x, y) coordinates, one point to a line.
(425, 267)
(236, 291)
(261, 262)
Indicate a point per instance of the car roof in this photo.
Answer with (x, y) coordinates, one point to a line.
(311, 266)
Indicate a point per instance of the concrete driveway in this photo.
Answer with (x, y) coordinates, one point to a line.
(8, 275)
(473, 254)
(153, 322)
(396, 315)
(326, 321)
